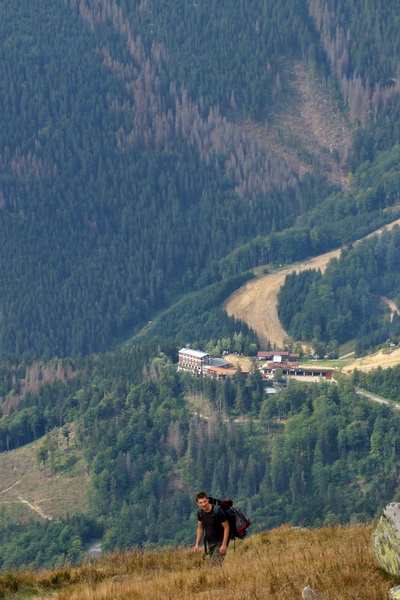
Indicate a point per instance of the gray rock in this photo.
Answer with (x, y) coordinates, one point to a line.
(386, 539)
(95, 550)
(309, 594)
(394, 593)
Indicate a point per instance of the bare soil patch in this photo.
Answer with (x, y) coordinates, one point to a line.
(392, 307)
(256, 302)
(244, 362)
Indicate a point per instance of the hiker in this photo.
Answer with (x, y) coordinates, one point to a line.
(212, 520)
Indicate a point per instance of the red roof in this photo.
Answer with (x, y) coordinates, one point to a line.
(222, 371)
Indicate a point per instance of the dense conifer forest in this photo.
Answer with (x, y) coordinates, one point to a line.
(152, 152)
(132, 161)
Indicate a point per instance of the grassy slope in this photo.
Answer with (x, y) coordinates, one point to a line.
(27, 490)
(385, 358)
(338, 563)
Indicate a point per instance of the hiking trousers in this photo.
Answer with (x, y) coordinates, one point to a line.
(215, 557)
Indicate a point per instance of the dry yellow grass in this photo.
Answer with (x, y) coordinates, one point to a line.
(244, 362)
(256, 302)
(384, 358)
(338, 563)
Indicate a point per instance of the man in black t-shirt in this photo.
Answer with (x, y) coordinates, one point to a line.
(212, 520)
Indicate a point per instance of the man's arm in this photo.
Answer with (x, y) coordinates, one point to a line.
(224, 544)
(199, 535)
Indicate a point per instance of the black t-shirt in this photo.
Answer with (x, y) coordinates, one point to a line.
(212, 523)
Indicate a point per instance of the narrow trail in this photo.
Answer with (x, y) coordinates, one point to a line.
(11, 486)
(36, 508)
(33, 506)
(256, 302)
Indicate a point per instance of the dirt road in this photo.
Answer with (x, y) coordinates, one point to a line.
(377, 399)
(256, 302)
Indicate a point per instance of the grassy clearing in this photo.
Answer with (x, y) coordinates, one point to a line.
(28, 490)
(337, 562)
(336, 363)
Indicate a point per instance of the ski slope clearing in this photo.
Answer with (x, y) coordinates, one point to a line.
(256, 302)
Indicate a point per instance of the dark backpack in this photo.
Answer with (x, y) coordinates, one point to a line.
(238, 522)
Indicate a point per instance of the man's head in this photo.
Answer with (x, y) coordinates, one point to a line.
(202, 500)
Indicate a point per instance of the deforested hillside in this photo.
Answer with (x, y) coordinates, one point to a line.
(143, 141)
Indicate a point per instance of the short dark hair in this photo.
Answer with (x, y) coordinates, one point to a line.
(200, 496)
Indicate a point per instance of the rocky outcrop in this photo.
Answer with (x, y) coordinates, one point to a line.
(394, 593)
(386, 540)
(309, 594)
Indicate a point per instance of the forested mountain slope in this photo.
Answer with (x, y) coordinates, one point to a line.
(151, 438)
(151, 153)
(143, 141)
(367, 85)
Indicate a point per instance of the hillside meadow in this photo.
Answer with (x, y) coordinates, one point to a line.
(336, 562)
(30, 489)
